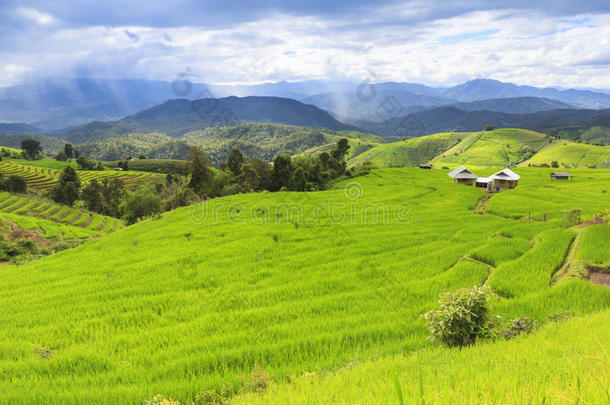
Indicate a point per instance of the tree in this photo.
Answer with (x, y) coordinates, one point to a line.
(61, 157)
(201, 173)
(13, 183)
(281, 173)
(67, 189)
(554, 163)
(69, 150)
(463, 315)
(84, 163)
(142, 203)
(92, 196)
(299, 183)
(489, 127)
(31, 148)
(235, 161)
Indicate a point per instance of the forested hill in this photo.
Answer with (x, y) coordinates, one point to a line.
(177, 117)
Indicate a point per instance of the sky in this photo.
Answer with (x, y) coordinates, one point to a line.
(550, 43)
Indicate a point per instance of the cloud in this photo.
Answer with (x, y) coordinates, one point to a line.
(265, 40)
(31, 14)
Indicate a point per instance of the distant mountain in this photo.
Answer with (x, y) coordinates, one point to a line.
(61, 103)
(177, 117)
(482, 89)
(450, 118)
(513, 105)
(18, 128)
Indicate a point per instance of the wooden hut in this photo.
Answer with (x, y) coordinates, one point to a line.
(560, 176)
(426, 166)
(484, 183)
(505, 178)
(463, 176)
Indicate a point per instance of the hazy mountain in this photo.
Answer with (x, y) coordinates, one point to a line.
(450, 118)
(18, 128)
(177, 117)
(513, 105)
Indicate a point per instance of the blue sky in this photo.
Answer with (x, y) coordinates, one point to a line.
(558, 43)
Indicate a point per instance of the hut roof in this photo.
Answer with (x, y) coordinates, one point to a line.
(462, 173)
(561, 174)
(483, 180)
(426, 165)
(505, 174)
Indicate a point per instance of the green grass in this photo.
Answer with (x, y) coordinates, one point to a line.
(499, 147)
(194, 299)
(595, 248)
(573, 155)
(410, 152)
(564, 363)
(537, 194)
(26, 205)
(47, 163)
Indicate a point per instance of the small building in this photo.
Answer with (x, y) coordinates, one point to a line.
(425, 166)
(118, 169)
(505, 178)
(560, 176)
(463, 176)
(483, 182)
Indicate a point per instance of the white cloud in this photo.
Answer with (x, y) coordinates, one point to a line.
(521, 46)
(36, 16)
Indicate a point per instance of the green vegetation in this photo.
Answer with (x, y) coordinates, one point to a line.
(570, 154)
(499, 147)
(595, 248)
(410, 152)
(303, 284)
(562, 363)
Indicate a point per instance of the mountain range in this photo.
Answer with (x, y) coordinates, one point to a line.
(53, 105)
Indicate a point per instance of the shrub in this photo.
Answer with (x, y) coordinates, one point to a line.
(161, 400)
(462, 316)
(212, 397)
(522, 324)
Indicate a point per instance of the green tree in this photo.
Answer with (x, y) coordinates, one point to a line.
(93, 196)
(299, 183)
(201, 172)
(69, 150)
(489, 127)
(61, 157)
(67, 189)
(13, 183)
(281, 173)
(235, 161)
(142, 203)
(31, 148)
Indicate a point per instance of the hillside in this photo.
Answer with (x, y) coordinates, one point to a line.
(177, 117)
(450, 118)
(500, 147)
(256, 140)
(570, 154)
(194, 299)
(410, 152)
(540, 367)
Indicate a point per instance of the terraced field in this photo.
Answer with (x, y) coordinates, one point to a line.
(29, 211)
(299, 283)
(572, 155)
(410, 152)
(45, 178)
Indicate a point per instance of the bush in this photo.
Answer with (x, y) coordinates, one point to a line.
(522, 324)
(462, 316)
(161, 400)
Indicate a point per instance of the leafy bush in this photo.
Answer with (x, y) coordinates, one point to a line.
(462, 316)
(161, 400)
(519, 325)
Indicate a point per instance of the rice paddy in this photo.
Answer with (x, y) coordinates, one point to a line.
(294, 282)
(44, 178)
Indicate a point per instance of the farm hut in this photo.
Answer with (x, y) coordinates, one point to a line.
(560, 176)
(463, 176)
(505, 178)
(425, 166)
(483, 182)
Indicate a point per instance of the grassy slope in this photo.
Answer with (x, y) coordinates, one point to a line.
(410, 152)
(195, 298)
(563, 363)
(493, 148)
(573, 155)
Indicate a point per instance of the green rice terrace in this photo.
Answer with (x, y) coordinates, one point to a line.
(318, 297)
(499, 147)
(44, 178)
